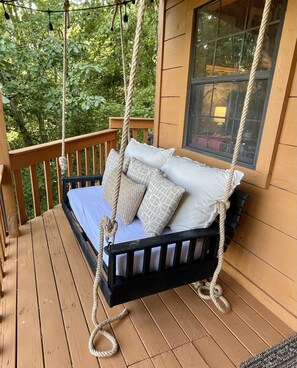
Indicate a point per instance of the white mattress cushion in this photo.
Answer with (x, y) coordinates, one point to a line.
(204, 186)
(89, 205)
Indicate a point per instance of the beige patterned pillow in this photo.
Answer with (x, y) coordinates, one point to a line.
(140, 172)
(130, 196)
(111, 164)
(159, 204)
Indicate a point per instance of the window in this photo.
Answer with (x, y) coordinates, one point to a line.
(223, 47)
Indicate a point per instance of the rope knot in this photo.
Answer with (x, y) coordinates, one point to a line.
(211, 291)
(63, 164)
(110, 227)
(222, 206)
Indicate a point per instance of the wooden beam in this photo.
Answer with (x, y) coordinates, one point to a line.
(7, 187)
(135, 123)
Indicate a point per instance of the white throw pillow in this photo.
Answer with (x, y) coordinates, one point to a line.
(140, 172)
(204, 186)
(111, 164)
(159, 204)
(130, 196)
(150, 155)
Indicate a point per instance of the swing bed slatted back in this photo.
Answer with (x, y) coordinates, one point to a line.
(120, 289)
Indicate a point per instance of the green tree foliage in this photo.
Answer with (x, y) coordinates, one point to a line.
(31, 70)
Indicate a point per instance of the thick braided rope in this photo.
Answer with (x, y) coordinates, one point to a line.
(63, 158)
(123, 54)
(109, 226)
(104, 224)
(222, 206)
(128, 106)
(123, 62)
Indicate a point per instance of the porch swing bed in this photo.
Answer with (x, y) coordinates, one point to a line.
(138, 265)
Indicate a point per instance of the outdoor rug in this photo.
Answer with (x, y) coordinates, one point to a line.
(283, 355)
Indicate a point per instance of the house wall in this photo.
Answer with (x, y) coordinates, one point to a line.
(263, 255)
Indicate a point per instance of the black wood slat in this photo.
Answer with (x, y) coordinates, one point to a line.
(177, 253)
(129, 264)
(162, 260)
(146, 261)
(204, 248)
(191, 251)
(112, 269)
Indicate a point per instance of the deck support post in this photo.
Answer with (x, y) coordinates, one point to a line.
(7, 187)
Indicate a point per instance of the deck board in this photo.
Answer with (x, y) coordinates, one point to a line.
(28, 320)
(55, 346)
(76, 329)
(251, 317)
(83, 282)
(168, 326)
(212, 353)
(221, 334)
(188, 356)
(48, 283)
(148, 331)
(8, 308)
(265, 313)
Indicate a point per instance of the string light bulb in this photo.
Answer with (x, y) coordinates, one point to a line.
(125, 19)
(6, 14)
(50, 25)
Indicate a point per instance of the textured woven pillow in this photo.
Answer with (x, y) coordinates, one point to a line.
(204, 186)
(159, 204)
(140, 172)
(111, 164)
(150, 155)
(130, 196)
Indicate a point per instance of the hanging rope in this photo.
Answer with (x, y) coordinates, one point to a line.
(63, 158)
(215, 291)
(108, 227)
(123, 53)
(123, 60)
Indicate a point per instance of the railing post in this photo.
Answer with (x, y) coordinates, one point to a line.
(7, 187)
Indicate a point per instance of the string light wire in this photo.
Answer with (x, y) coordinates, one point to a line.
(12, 2)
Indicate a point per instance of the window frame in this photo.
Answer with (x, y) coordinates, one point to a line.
(226, 78)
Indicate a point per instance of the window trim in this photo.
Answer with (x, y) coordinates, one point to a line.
(276, 104)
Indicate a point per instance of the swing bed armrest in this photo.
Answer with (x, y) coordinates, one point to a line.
(209, 241)
(119, 289)
(72, 182)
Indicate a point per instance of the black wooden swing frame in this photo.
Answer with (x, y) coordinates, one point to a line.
(120, 289)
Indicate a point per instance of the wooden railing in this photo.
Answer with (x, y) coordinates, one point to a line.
(86, 154)
(140, 128)
(36, 172)
(3, 228)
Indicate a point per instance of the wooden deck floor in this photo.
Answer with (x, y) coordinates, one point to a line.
(47, 300)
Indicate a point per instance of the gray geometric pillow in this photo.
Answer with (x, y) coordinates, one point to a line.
(130, 196)
(140, 172)
(159, 204)
(112, 162)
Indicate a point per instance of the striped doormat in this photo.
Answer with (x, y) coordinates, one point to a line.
(283, 355)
